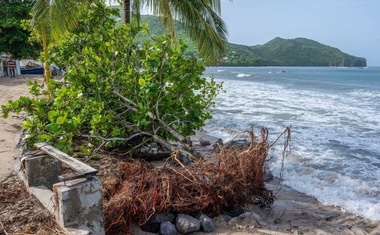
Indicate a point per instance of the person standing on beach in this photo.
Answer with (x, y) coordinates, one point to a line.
(11, 64)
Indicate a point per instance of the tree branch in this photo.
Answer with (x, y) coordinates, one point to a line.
(130, 104)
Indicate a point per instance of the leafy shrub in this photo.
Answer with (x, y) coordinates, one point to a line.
(116, 89)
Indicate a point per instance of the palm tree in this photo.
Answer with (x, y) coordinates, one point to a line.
(50, 22)
(200, 18)
(127, 11)
(52, 19)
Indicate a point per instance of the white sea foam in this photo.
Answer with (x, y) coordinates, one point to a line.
(352, 195)
(243, 75)
(335, 133)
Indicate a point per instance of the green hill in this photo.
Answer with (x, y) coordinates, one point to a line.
(156, 29)
(277, 52)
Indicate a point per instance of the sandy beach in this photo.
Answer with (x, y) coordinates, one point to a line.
(11, 89)
(291, 213)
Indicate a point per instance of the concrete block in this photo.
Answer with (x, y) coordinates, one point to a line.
(80, 203)
(42, 170)
(45, 196)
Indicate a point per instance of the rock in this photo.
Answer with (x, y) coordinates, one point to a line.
(187, 224)
(153, 148)
(267, 175)
(184, 160)
(151, 227)
(204, 143)
(188, 141)
(237, 144)
(153, 224)
(235, 211)
(224, 217)
(207, 224)
(219, 141)
(145, 149)
(217, 144)
(139, 231)
(162, 217)
(167, 228)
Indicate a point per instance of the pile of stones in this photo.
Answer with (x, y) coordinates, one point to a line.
(171, 224)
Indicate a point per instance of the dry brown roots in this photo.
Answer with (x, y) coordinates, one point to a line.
(233, 178)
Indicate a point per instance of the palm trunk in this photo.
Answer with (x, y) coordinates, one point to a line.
(127, 11)
(46, 65)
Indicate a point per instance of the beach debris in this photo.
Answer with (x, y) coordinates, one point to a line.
(234, 177)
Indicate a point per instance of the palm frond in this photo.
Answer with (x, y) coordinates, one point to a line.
(55, 17)
(200, 19)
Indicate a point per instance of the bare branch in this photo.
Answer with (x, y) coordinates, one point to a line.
(111, 139)
(172, 148)
(133, 107)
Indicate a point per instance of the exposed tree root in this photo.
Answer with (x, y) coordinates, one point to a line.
(232, 178)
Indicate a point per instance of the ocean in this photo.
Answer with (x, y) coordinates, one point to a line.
(335, 118)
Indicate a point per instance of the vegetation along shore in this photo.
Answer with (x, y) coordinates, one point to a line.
(129, 105)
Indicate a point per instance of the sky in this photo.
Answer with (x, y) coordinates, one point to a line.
(352, 26)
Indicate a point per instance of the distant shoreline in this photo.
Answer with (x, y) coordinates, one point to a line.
(290, 66)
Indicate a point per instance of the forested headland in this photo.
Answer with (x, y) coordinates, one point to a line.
(277, 52)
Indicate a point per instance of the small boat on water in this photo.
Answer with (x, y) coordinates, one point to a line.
(32, 68)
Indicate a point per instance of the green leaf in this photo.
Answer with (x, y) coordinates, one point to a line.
(181, 42)
(73, 72)
(82, 69)
(76, 120)
(61, 146)
(153, 63)
(142, 82)
(92, 77)
(63, 89)
(28, 124)
(53, 127)
(69, 126)
(61, 120)
(52, 115)
(46, 137)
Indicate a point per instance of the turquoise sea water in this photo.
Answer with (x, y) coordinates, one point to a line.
(335, 119)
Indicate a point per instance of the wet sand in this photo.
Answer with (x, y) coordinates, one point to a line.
(292, 213)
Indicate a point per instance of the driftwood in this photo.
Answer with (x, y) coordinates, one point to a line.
(232, 177)
(79, 167)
